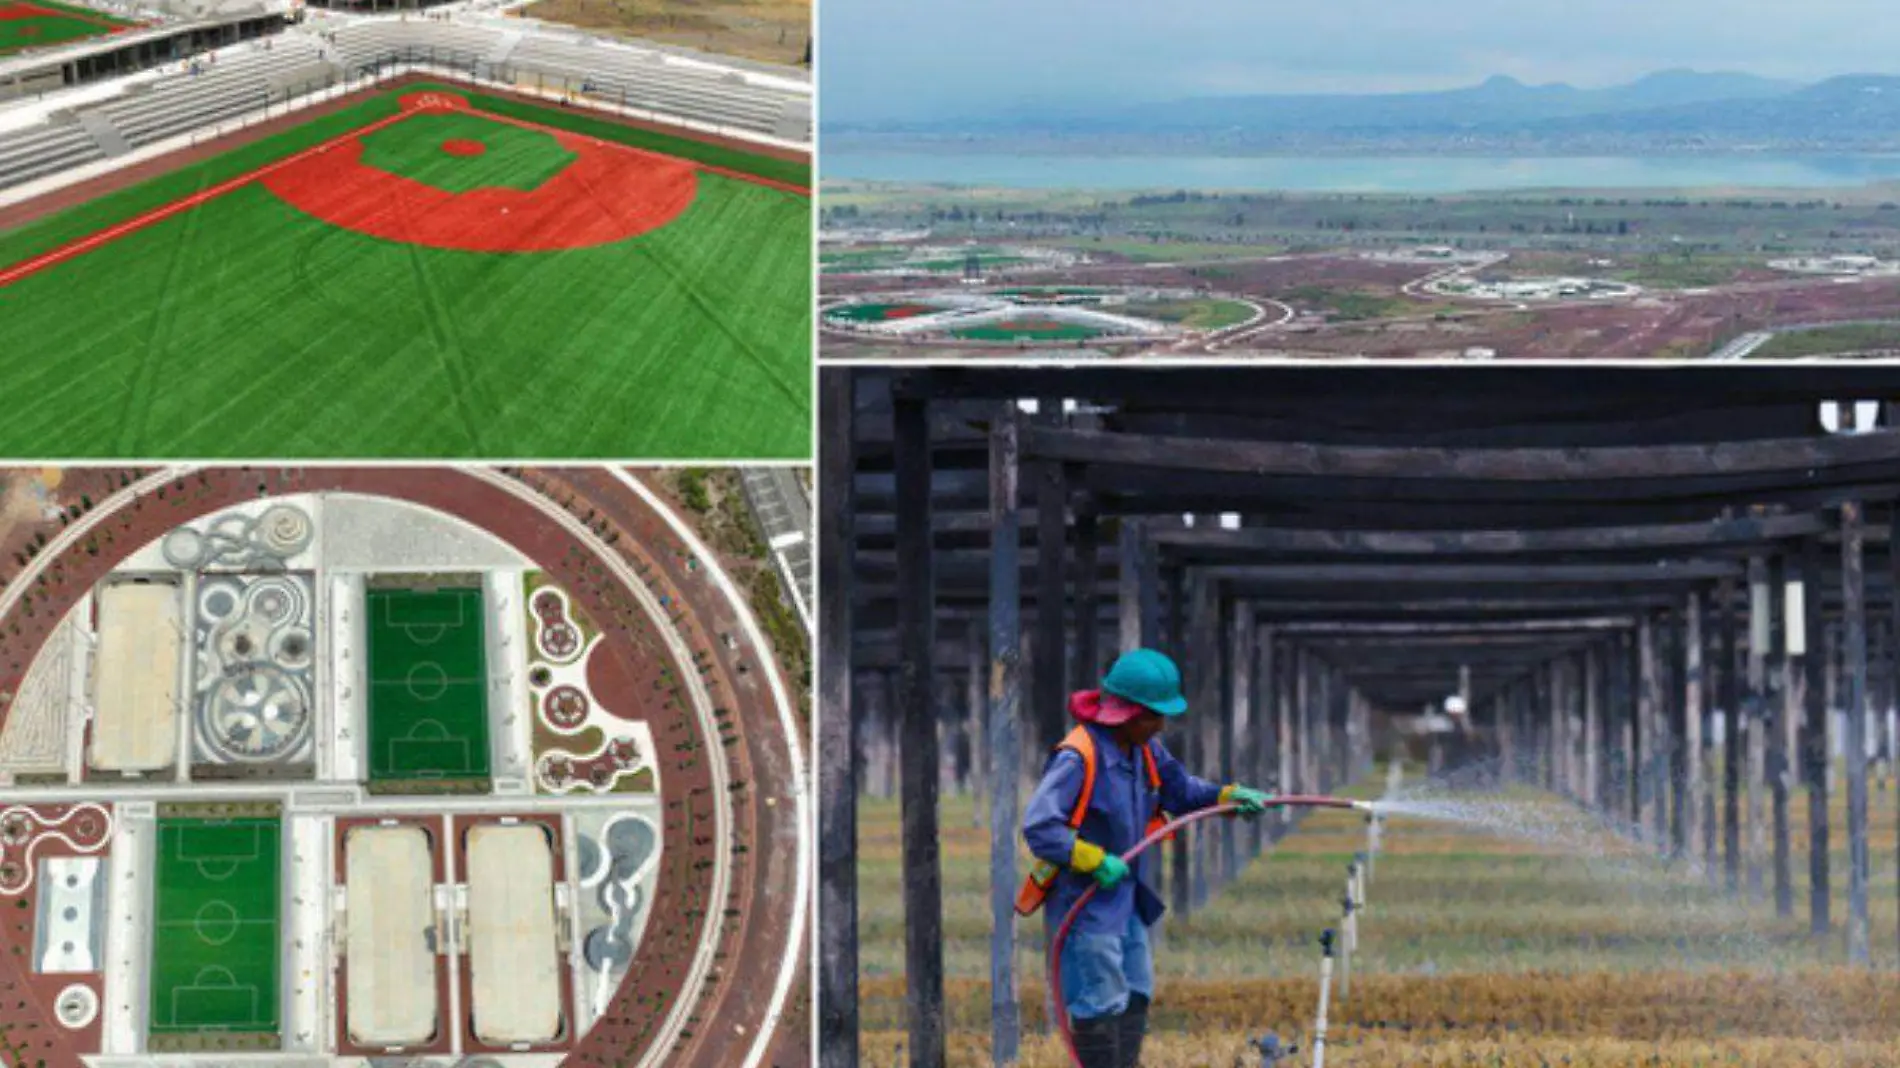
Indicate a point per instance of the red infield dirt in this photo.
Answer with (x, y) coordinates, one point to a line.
(462, 146)
(906, 311)
(609, 193)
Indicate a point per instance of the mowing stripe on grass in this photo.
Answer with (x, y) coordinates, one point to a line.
(160, 214)
(246, 327)
(215, 929)
(65, 252)
(428, 706)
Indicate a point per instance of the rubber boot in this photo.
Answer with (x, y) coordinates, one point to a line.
(1098, 1041)
(1134, 1027)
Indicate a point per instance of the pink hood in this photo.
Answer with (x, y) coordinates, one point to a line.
(1102, 709)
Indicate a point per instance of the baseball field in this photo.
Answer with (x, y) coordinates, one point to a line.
(47, 22)
(428, 271)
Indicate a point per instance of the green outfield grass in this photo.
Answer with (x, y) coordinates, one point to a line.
(1195, 314)
(878, 313)
(39, 23)
(428, 687)
(215, 933)
(244, 327)
(1028, 329)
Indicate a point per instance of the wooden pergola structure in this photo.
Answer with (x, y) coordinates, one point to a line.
(1603, 565)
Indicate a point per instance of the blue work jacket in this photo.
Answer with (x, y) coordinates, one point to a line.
(1117, 818)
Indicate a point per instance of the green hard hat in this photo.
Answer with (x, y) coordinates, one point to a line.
(1147, 678)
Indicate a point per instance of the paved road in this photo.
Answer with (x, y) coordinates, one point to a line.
(778, 499)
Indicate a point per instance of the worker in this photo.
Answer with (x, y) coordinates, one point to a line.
(1103, 789)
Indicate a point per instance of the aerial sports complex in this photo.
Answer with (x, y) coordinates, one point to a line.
(332, 765)
(404, 237)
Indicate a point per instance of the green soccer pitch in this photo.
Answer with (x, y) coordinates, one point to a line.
(38, 23)
(215, 934)
(205, 321)
(428, 689)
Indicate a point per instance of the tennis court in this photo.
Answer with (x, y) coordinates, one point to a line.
(428, 690)
(215, 934)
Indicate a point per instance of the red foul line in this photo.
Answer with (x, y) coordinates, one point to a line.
(159, 214)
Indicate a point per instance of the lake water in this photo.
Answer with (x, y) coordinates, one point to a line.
(1360, 174)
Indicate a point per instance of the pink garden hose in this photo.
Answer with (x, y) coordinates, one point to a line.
(1061, 1009)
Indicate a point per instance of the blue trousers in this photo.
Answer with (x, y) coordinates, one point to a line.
(1100, 971)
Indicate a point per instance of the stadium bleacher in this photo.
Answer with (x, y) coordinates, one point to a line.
(244, 81)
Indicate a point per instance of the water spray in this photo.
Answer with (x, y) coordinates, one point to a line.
(1061, 1008)
(1325, 993)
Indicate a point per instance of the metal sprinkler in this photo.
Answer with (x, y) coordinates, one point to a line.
(1272, 1050)
(1060, 1007)
(1325, 994)
(1349, 930)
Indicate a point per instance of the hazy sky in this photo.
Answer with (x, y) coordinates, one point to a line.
(886, 59)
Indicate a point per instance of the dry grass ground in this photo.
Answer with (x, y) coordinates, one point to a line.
(775, 31)
(1477, 948)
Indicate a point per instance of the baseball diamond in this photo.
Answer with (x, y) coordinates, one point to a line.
(425, 271)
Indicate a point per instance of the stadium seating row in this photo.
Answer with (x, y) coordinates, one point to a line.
(295, 63)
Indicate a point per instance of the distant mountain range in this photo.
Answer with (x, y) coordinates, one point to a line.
(1675, 110)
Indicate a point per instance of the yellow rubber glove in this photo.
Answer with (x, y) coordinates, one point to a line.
(1090, 859)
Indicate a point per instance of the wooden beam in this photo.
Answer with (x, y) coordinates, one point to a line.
(918, 757)
(1336, 575)
(837, 734)
(1005, 707)
(1796, 456)
(1440, 543)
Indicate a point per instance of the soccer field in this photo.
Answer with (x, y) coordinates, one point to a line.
(215, 934)
(39, 23)
(428, 690)
(426, 272)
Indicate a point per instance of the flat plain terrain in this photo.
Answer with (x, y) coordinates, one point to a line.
(1352, 270)
(773, 31)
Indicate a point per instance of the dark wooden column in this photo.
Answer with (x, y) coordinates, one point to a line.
(1005, 709)
(837, 733)
(1780, 750)
(1854, 672)
(1086, 667)
(1648, 749)
(1760, 637)
(1049, 675)
(1893, 632)
(916, 627)
(1203, 726)
(1241, 724)
(1693, 700)
(1814, 756)
(1730, 656)
(1177, 646)
(1263, 730)
(1594, 794)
